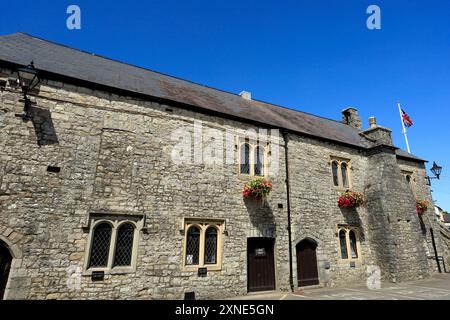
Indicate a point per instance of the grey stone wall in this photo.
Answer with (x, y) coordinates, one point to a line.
(115, 156)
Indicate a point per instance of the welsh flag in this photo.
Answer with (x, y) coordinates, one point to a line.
(406, 119)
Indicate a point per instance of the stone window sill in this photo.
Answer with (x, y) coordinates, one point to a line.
(208, 267)
(116, 270)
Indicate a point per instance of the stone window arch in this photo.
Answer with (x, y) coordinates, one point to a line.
(349, 243)
(112, 244)
(202, 244)
(253, 158)
(410, 179)
(340, 172)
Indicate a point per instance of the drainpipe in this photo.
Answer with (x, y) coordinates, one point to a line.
(288, 200)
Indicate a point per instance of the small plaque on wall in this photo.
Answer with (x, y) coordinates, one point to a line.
(202, 272)
(98, 276)
(260, 252)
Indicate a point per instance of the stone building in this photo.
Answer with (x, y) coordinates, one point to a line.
(117, 182)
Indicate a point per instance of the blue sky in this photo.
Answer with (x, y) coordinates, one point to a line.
(315, 56)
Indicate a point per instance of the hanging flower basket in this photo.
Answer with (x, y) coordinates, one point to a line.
(421, 206)
(350, 200)
(257, 189)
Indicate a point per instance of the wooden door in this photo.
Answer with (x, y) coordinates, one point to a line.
(260, 264)
(307, 273)
(5, 265)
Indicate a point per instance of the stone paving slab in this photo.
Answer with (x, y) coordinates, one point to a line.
(434, 288)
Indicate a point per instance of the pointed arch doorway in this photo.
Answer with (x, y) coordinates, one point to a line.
(307, 274)
(5, 266)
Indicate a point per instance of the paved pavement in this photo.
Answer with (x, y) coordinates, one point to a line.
(434, 288)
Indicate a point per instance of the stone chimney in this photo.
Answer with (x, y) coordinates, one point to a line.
(246, 95)
(351, 117)
(377, 135)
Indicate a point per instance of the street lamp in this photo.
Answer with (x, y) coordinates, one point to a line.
(436, 170)
(28, 80)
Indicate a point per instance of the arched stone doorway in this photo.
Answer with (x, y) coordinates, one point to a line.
(307, 273)
(5, 266)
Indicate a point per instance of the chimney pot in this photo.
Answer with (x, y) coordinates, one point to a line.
(246, 95)
(373, 122)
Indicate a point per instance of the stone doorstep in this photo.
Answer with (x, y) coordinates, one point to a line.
(300, 290)
(256, 293)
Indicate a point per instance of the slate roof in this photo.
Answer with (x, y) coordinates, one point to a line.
(21, 48)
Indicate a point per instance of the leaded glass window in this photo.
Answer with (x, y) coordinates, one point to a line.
(100, 245)
(334, 167)
(193, 246)
(344, 174)
(211, 246)
(343, 244)
(124, 245)
(245, 158)
(259, 161)
(353, 247)
(341, 173)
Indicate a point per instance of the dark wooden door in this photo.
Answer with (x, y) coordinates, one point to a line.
(260, 264)
(5, 265)
(307, 273)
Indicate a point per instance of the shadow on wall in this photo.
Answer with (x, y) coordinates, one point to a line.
(351, 217)
(43, 126)
(261, 216)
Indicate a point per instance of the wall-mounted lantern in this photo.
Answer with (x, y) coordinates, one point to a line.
(436, 170)
(28, 80)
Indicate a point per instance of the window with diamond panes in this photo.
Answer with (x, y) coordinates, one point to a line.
(124, 245)
(245, 158)
(193, 246)
(353, 248)
(211, 246)
(340, 170)
(344, 174)
(349, 243)
(343, 244)
(259, 161)
(334, 167)
(100, 245)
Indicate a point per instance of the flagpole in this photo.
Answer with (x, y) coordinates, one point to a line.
(403, 126)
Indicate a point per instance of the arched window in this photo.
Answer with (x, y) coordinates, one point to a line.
(259, 161)
(340, 169)
(211, 246)
(353, 248)
(193, 246)
(124, 245)
(344, 174)
(100, 245)
(334, 167)
(245, 158)
(343, 244)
